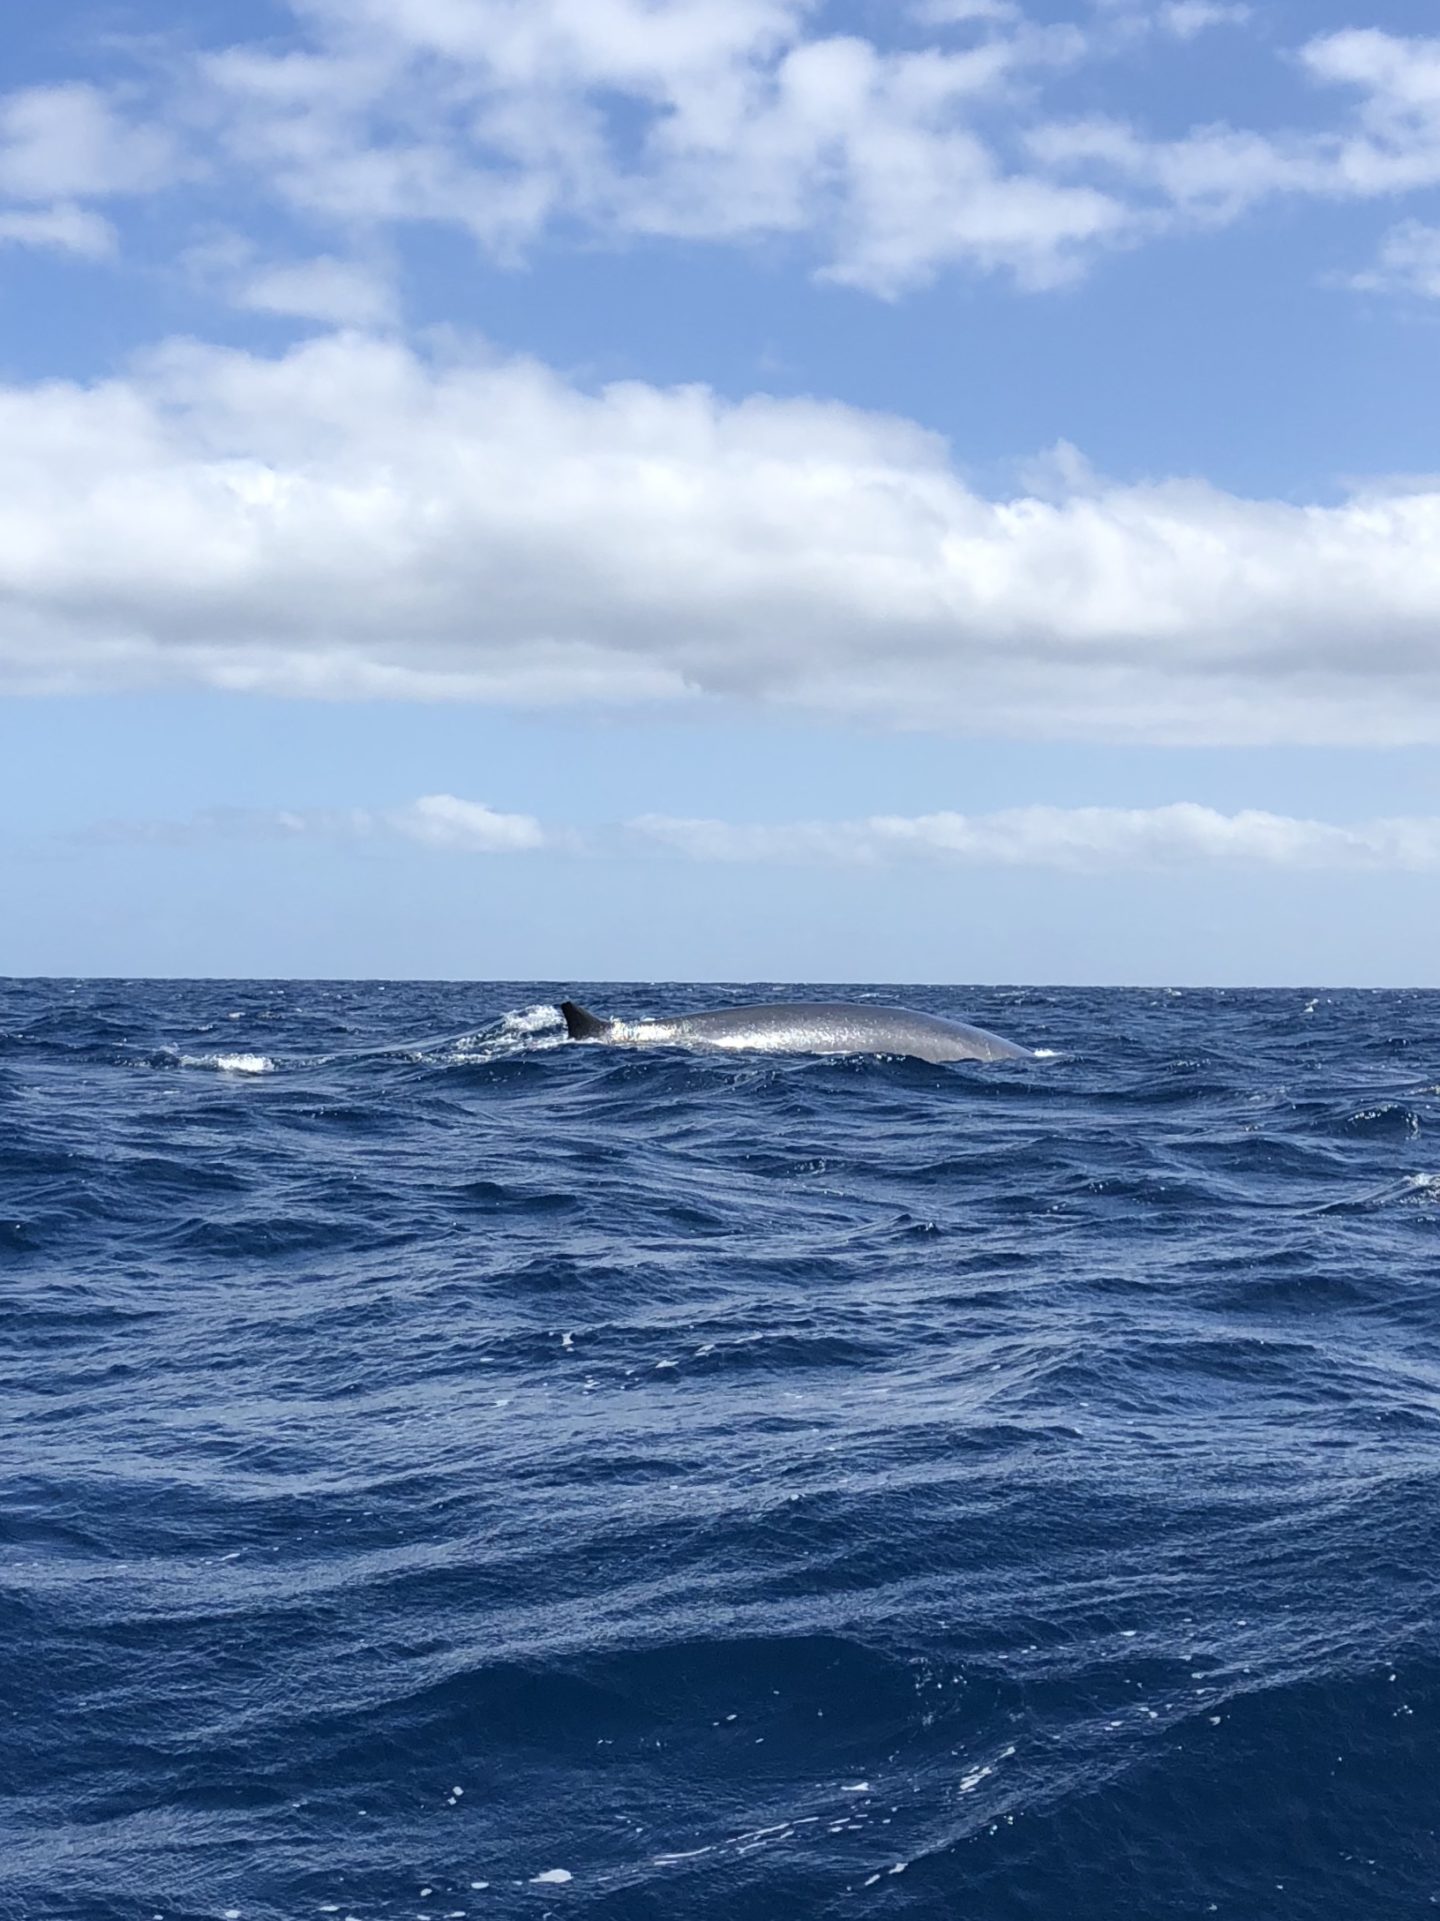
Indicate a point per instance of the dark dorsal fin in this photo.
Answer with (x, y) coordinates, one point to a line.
(582, 1024)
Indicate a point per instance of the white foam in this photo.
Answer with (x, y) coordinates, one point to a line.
(556, 1877)
(524, 1030)
(531, 1020)
(972, 1780)
(231, 1063)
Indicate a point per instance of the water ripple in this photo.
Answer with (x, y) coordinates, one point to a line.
(451, 1470)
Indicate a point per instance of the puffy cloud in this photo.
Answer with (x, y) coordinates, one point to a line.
(882, 161)
(681, 118)
(334, 292)
(1409, 262)
(466, 826)
(1187, 18)
(331, 291)
(62, 145)
(71, 142)
(734, 122)
(878, 157)
(62, 228)
(348, 519)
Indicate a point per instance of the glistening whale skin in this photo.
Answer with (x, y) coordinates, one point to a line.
(803, 1027)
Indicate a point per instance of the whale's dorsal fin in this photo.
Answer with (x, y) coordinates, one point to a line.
(582, 1024)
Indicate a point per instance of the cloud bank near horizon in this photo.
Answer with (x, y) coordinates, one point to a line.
(1079, 839)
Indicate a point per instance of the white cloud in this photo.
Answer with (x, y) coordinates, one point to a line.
(957, 13)
(1082, 839)
(332, 291)
(337, 292)
(1065, 837)
(63, 145)
(1388, 145)
(736, 122)
(1187, 18)
(466, 826)
(434, 820)
(690, 119)
(71, 142)
(1409, 262)
(1214, 174)
(350, 520)
(62, 228)
(727, 121)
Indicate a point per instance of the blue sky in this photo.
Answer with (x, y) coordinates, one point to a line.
(721, 489)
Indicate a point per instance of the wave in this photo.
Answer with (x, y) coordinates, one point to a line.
(231, 1063)
(438, 1458)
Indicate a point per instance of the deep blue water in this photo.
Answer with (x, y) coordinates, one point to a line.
(435, 1457)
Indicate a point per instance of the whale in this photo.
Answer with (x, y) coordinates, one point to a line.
(802, 1027)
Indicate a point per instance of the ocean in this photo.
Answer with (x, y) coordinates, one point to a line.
(450, 1470)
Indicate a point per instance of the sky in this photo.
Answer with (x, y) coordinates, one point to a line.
(746, 490)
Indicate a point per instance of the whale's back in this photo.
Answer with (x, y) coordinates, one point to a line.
(803, 1027)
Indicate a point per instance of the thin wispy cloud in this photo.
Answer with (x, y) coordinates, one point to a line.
(1182, 834)
(439, 821)
(329, 289)
(1078, 838)
(336, 292)
(1187, 18)
(1384, 141)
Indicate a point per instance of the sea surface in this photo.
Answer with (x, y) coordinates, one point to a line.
(446, 1469)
